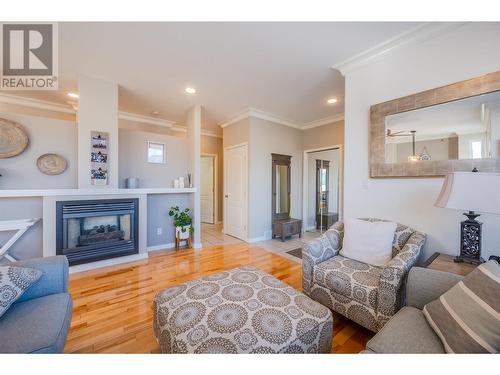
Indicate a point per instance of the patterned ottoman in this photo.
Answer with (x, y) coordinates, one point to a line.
(243, 310)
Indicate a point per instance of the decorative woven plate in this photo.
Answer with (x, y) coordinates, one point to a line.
(51, 164)
(13, 139)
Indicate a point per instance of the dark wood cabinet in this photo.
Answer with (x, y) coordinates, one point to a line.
(286, 228)
(283, 225)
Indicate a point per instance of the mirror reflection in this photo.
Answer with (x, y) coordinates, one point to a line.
(463, 129)
(281, 189)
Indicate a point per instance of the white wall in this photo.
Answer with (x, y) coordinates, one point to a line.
(462, 53)
(193, 124)
(97, 111)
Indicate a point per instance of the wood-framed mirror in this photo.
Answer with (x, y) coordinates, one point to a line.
(434, 132)
(281, 186)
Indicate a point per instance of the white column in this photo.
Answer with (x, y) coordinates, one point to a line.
(97, 111)
(193, 124)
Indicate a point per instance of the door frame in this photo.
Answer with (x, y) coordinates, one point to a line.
(245, 201)
(305, 181)
(215, 160)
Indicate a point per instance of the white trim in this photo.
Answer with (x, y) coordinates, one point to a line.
(15, 193)
(107, 263)
(36, 103)
(198, 245)
(420, 33)
(165, 246)
(72, 108)
(305, 181)
(215, 160)
(257, 113)
(323, 121)
(145, 119)
(204, 132)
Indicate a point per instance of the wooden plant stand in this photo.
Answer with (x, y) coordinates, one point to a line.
(178, 241)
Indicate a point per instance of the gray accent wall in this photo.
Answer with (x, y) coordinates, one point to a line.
(158, 207)
(325, 135)
(133, 159)
(267, 138)
(46, 135)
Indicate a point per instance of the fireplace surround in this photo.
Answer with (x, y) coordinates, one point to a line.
(93, 230)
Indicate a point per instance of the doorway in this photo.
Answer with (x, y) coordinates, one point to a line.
(236, 191)
(322, 188)
(208, 188)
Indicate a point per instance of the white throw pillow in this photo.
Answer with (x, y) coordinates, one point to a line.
(368, 242)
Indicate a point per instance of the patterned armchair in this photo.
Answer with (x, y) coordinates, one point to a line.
(364, 293)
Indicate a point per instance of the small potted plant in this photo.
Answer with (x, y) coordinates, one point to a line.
(182, 221)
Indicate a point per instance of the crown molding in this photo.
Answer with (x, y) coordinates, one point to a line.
(145, 119)
(36, 103)
(256, 113)
(204, 132)
(420, 33)
(323, 121)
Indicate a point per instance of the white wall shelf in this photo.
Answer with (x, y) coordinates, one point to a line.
(14, 193)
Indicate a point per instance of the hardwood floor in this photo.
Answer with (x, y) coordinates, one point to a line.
(113, 306)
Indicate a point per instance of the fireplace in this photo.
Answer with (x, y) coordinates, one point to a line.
(91, 230)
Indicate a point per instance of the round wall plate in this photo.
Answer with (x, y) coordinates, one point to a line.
(51, 164)
(13, 139)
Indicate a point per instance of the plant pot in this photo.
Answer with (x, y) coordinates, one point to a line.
(183, 235)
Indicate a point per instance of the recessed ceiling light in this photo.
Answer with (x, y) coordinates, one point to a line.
(332, 101)
(73, 95)
(156, 113)
(190, 90)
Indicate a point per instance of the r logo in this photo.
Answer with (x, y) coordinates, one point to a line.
(27, 50)
(29, 56)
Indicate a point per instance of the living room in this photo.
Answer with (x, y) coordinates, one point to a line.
(250, 187)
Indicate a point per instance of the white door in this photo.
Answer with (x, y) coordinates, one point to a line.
(235, 191)
(207, 189)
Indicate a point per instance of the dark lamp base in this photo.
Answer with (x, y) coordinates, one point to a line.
(463, 259)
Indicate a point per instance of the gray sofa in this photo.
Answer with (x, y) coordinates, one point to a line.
(39, 321)
(408, 331)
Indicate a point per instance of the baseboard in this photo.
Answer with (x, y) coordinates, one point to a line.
(164, 246)
(107, 262)
(255, 239)
(267, 236)
(197, 245)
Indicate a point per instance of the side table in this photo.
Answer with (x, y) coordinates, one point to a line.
(444, 262)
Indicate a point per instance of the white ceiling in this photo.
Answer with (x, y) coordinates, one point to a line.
(281, 68)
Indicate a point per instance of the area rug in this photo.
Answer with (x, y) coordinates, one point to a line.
(296, 252)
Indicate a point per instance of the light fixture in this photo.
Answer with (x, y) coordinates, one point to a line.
(332, 101)
(190, 90)
(73, 95)
(156, 113)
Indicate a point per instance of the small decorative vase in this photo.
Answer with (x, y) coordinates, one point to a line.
(183, 235)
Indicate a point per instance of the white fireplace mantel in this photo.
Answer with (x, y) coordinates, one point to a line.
(13, 193)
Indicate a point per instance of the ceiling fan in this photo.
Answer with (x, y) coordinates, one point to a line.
(405, 133)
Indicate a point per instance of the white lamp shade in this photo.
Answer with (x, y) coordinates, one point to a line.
(471, 191)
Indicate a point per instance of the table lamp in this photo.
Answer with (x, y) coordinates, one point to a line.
(472, 192)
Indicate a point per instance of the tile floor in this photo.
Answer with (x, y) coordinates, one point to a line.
(212, 235)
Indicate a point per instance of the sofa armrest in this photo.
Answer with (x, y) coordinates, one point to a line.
(319, 250)
(425, 285)
(54, 278)
(393, 276)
